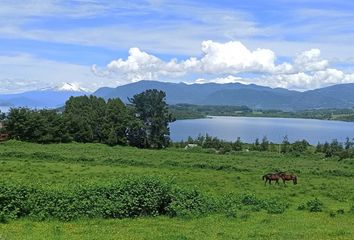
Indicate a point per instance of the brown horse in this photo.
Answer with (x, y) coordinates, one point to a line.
(288, 177)
(271, 177)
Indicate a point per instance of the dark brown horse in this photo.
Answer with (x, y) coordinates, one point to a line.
(288, 177)
(271, 177)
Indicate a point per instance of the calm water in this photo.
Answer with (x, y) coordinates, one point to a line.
(4, 109)
(248, 129)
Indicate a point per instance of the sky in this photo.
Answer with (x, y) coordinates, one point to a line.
(300, 45)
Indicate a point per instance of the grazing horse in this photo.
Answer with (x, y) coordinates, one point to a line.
(271, 177)
(288, 177)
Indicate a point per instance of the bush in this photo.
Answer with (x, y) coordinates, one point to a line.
(130, 198)
(3, 218)
(352, 210)
(340, 211)
(275, 207)
(133, 197)
(185, 203)
(231, 204)
(13, 201)
(332, 214)
(302, 206)
(315, 205)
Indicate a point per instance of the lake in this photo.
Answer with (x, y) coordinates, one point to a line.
(4, 109)
(250, 128)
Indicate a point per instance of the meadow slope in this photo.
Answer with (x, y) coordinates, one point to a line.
(65, 166)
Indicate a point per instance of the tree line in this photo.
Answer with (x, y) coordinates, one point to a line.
(190, 111)
(221, 146)
(143, 123)
(336, 148)
(332, 149)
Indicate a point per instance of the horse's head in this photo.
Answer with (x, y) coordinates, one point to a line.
(295, 180)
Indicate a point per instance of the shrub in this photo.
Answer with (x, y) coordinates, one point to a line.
(302, 206)
(186, 203)
(133, 197)
(230, 204)
(352, 210)
(274, 206)
(332, 214)
(315, 205)
(13, 201)
(130, 198)
(340, 211)
(3, 218)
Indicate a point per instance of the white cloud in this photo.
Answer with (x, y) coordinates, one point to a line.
(219, 62)
(140, 65)
(305, 81)
(310, 61)
(24, 72)
(221, 80)
(307, 71)
(234, 57)
(217, 58)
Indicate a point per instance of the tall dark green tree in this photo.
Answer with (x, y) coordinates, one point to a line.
(2, 116)
(17, 124)
(285, 145)
(264, 146)
(43, 126)
(237, 146)
(151, 108)
(85, 118)
(115, 123)
(256, 145)
(348, 144)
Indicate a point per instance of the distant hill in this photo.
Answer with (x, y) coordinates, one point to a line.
(237, 94)
(43, 98)
(234, 94)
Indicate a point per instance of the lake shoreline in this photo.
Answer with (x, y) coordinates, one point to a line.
(229, 128)
(265, 116)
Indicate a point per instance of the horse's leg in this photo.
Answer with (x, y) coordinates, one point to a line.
(277, 181)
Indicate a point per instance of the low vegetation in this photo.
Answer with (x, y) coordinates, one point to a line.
(189, 111)
(298, 148)
(76, 190)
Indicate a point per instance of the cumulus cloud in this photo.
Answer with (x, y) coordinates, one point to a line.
(217, 58)
(141, 65)
(307, 70)
(310, 61)
(305, 81)
(221, 80)
(234, 57)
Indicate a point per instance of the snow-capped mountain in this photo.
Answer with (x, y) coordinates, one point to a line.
(50, 97)
(66, 87)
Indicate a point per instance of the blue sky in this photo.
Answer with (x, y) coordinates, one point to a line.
(92, 42)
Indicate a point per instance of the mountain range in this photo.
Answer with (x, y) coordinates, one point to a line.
(236, 94)
(42, 98)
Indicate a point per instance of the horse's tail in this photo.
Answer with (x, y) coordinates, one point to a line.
(295, 179)
(263, 177)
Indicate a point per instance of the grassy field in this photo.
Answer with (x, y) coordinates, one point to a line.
(65, 166)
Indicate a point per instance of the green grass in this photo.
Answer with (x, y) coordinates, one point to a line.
(61, 166)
